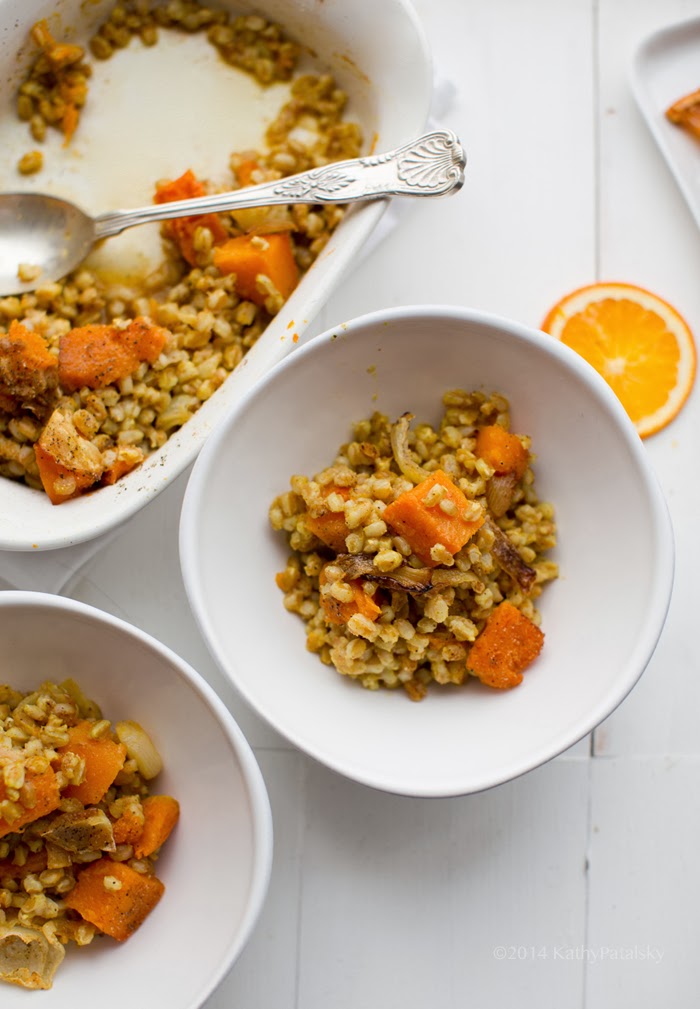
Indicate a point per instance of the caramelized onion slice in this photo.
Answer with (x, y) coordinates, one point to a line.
(139, 747)
(402, 454)
(508, 557)
(28, 957)
(500, 490)
(85, 830)
(402, 579)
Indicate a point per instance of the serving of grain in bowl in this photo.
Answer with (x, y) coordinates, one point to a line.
(128, 797)
(426, 517)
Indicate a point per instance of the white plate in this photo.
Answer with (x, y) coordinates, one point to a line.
(666, 67)
(389, 88)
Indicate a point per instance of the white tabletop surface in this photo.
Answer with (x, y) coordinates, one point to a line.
(576, 885)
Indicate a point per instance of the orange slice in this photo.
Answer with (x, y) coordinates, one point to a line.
(639, 343)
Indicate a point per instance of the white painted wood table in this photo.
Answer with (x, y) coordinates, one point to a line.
(577, 885)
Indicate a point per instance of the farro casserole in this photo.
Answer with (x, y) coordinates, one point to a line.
(95, 374)
(418, 555)
(79, 831)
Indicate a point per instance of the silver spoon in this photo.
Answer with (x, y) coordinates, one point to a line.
(52, 236)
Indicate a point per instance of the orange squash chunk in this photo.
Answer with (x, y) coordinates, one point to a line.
(69, 122)
(244, 171)
(161, 813)
(423, 525)
(68, 463)
(116, 912)
(35, 353)
(337, 612)
(28, 371)
(125, 460)
(127, 829)
(46, 799)
(250, 256)
(330, 527)
(182, 229)
(686, 113)
(54, 474)
(97, 356)
(103, 758)
(502, 450)
(508, 644)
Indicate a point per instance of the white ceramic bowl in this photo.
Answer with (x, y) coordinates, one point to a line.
(216, 864)
(389, 88)
(601, 618)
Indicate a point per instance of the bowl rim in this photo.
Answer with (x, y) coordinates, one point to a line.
(663, 541)
(258, 798)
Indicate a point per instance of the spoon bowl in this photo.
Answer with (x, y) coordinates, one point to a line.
(42, 238)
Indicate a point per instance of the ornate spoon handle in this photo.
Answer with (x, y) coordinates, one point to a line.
(432, 165)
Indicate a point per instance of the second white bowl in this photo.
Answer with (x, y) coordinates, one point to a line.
(601, 618)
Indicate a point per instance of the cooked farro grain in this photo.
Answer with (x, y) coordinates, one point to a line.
(73, 793)
(209, 321)
(29, 164)
(383, 600)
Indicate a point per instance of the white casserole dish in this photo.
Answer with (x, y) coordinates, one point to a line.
(377, 53)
